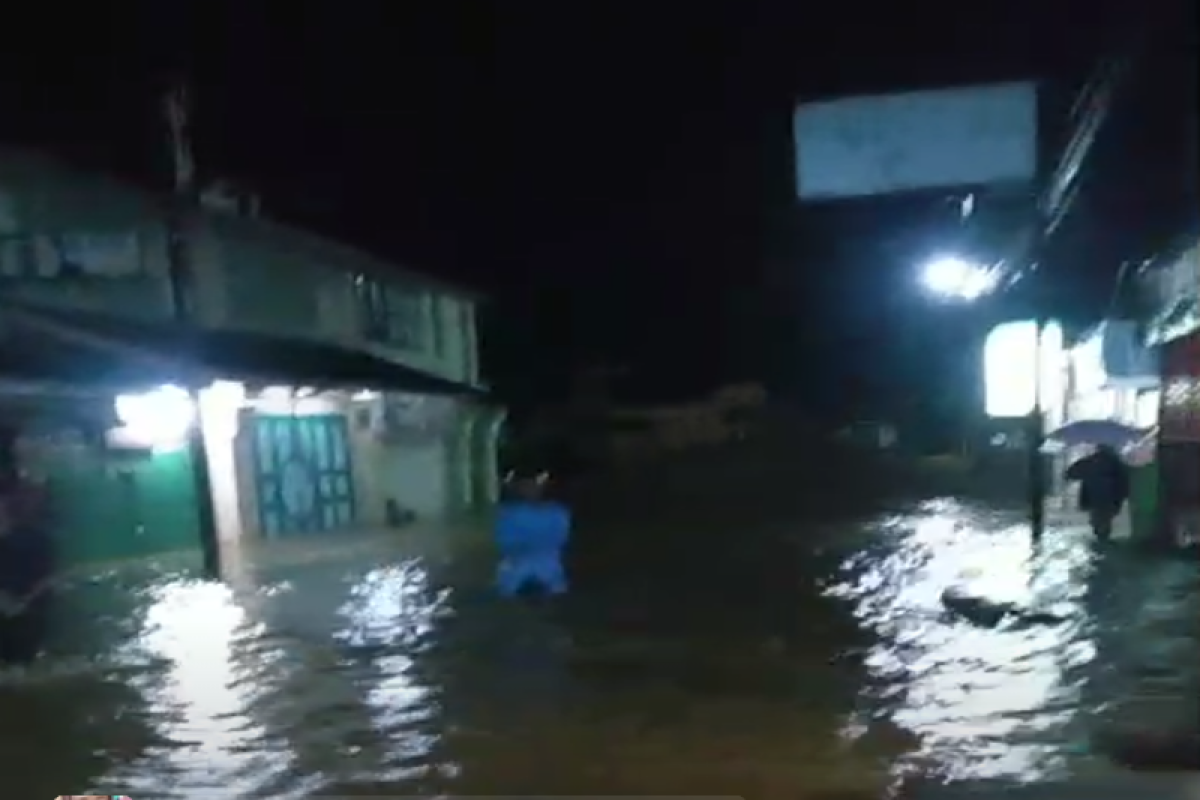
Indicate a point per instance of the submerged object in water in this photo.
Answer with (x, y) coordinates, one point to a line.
(1159, 751)
(992, 613)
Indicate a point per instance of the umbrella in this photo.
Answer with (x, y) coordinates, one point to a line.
(1097, 431)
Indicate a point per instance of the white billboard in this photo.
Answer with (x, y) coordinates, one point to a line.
(884, 144)
(1012, 386)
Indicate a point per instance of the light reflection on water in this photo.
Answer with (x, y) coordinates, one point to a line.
(378, 673)
(982, 702)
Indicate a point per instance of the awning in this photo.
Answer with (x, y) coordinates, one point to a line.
(1127, 360)
(1182, 318)
(33, 361)
(1112, 355)
(98, 349)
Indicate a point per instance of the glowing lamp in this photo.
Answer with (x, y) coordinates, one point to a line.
(955, 278)
(160, 418)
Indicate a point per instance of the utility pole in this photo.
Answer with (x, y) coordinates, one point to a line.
(181, 277)
(1037, 435)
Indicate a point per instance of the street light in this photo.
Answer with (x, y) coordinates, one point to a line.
(955, 279)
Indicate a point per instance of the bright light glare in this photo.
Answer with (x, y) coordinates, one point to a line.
(161, 418)
(195, 629)
(954, 278)
(956, 690)
(1010, 357)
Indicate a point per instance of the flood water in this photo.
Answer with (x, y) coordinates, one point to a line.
(371, 670)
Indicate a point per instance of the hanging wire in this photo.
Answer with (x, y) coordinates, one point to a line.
(1114, 298)
(1094, 106)
(1097, 100)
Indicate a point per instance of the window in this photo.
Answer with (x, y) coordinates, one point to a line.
(392, 315)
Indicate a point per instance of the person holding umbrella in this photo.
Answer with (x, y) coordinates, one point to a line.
(1104, 485)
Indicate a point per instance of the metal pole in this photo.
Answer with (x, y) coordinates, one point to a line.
(1037, 439)
(182, 293)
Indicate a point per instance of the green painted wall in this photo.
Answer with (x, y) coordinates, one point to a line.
(1143, 501)
(106, 510)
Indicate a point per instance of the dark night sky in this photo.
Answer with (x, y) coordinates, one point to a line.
(617, 174)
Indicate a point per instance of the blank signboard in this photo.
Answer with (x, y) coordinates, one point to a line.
(885, 144)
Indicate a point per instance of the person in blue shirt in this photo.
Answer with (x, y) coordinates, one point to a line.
(531, 534)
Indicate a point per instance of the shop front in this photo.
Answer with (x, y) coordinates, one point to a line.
(1176, 331)
(1179, 443)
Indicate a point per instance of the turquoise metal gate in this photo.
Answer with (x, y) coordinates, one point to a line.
(303, 475)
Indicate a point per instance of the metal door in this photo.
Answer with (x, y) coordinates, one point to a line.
(303, 474)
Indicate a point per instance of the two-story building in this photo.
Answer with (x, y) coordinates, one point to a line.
(339, 390)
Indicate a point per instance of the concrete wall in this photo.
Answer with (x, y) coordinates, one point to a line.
(448, 474)
(47, 209)
(267, 277)
(251, 274)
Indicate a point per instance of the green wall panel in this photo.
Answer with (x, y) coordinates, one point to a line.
(136, 507)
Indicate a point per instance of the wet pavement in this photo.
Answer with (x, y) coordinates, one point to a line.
(827, 668)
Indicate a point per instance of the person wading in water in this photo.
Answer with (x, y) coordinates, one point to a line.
(27, 560)
(1103, 488)
(531, 534)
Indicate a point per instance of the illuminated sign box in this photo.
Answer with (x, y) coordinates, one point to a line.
(1011, 380)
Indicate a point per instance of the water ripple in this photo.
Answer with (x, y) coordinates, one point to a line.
(378, 671)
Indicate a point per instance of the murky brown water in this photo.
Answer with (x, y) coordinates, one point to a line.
(375, 672)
